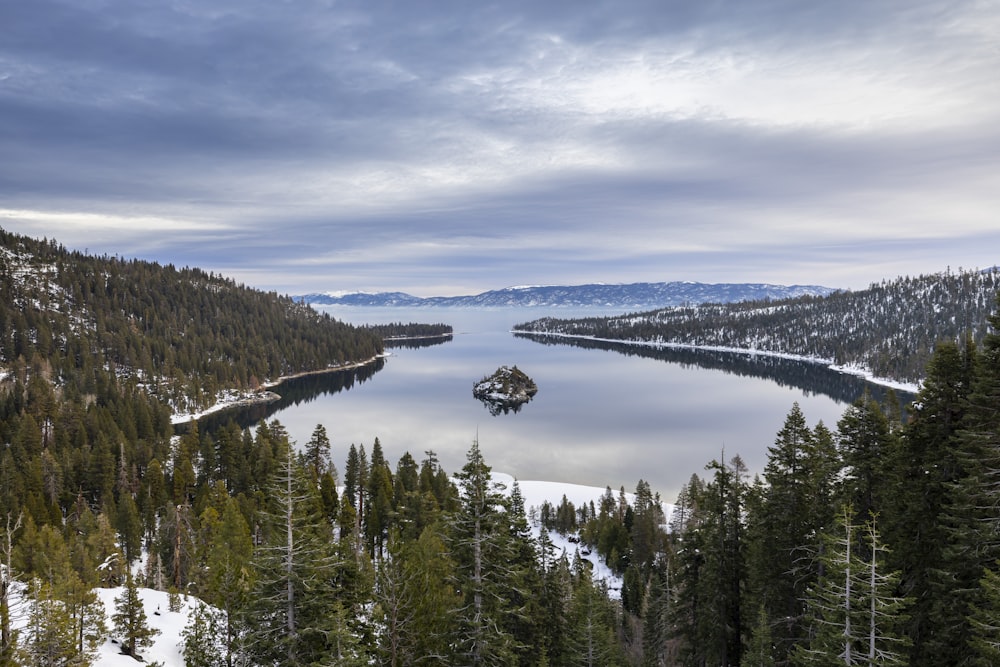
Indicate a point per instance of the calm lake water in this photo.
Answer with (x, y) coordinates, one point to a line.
(601, 416)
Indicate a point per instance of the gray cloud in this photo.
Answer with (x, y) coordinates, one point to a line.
(463, 146)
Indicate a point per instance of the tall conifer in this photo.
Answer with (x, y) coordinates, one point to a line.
(130, 621)
(481, 547)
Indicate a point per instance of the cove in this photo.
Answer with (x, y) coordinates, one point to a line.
(605, 414)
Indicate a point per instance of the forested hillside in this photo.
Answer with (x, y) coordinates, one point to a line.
(873, 541)
(182, 335)
(889, 329)
(872, 544)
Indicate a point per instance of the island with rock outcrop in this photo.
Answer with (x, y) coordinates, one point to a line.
(506, 390)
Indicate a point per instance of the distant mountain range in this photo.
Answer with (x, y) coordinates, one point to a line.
(634, 295)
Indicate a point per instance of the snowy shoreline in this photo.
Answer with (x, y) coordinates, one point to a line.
(910, 387)
(396, 339)
(233, 399)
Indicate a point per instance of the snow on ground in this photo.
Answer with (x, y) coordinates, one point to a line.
(911, 387)
(231, 398)
(167, 645)
(166, 648)
(535, 493)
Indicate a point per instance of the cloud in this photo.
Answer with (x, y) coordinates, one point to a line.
(331, 145)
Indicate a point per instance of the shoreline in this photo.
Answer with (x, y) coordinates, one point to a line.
(393, 339)
(908, 387)
(264, 395)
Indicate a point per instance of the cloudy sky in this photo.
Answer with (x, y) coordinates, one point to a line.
(451, 147)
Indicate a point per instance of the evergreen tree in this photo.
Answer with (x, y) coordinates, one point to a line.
(103, 553)
(594, 620)
(231, 578)
(523, 620)
(854, 612)
(786, 517)
(177, 544)
(555, 601)
(709, 568)
(8, 635)
(129, 527)
(202, 638)
(415, 602)
(414, 509)
(480, 545)
(925, 470)
(49, 639)
(86, 614)
(970, 517)
(317, 452)
(380, 496)
(295, 618)
(129, 619)
(42, 553)
(725, 567)
(985, 620)
(760, 650)
(656, 634)
(394, 609)
(865, 443)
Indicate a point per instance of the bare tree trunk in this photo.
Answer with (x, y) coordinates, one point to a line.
(6, 576)
(289, 565)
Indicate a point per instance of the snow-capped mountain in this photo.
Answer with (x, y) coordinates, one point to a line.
(632, 295)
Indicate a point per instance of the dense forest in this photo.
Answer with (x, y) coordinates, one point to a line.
(872, 541)
(889, 329)
(399, 331)
(81, 323)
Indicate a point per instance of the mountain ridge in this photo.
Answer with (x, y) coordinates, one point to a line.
(622, 295)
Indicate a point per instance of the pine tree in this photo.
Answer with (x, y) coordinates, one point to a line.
(317, 452)
(760, 650)
(594, 620)
(103, 552)
(481, 548)
(380, 496)
(415, 601)
(394, 609)
(202, 641)
(724, 567)
(555, 600)
(970, 518)
(985, 620)
(925, 470)
(865, 443)
(231, 577)
(296, 597)
(855, 614)
(523, 620)
(415, 509)
(129, 527)
(177, 544)
(41, 552)
(129, 619)
(86, 614)
(786, 516)
(8, 635)
(656, 634)
(49, 639)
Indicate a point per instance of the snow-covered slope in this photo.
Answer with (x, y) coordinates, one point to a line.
(626, 296)
(535, 494)
(167, 646)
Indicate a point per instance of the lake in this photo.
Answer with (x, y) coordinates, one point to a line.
(603, 415)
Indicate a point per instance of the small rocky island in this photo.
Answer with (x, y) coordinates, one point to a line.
(506, 390)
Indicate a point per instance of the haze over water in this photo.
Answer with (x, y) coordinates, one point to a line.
(600, 418)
